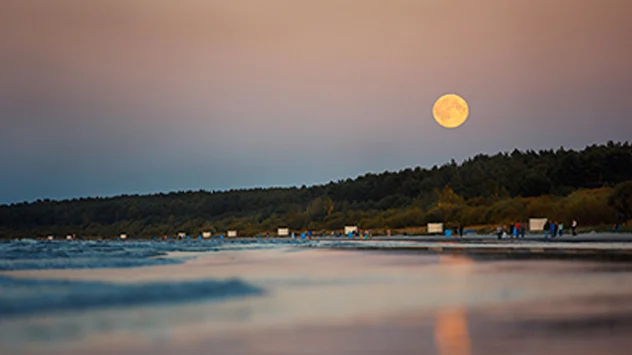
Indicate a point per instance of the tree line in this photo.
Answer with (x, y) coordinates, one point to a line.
(593, 185)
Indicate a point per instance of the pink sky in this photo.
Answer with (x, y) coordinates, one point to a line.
(288, 92)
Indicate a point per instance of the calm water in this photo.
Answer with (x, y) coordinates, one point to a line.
(293, 297)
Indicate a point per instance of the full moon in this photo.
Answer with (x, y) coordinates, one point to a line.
(450, 111)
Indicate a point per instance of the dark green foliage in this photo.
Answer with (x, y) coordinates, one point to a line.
(621, 201)
(482, 190)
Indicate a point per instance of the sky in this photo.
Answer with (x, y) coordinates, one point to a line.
(107, 97)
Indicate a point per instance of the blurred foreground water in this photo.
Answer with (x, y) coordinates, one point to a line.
(292, 297)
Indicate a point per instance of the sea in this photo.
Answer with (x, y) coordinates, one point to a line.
(303, 297)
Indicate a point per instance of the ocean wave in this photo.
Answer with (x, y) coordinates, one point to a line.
(21, 297)
(85, 263)
(37, 255)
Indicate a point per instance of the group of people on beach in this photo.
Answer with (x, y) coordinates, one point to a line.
(366, 234)
(555, 229)
(551, 228)
(516, 230)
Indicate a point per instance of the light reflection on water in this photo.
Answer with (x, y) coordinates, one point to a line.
(450, 329)
(451, 333)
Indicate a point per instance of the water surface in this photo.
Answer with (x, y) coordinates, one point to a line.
(300, 298)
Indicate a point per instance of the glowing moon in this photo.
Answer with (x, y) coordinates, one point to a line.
(450, 110)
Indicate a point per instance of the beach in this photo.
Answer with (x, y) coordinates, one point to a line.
(300, 299)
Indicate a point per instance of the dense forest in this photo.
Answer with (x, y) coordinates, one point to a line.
(593, 185)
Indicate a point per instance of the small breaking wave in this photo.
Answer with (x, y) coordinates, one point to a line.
(39, 255)
(21, 297)
(85, 263)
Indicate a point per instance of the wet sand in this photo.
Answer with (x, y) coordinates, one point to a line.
(349, 302)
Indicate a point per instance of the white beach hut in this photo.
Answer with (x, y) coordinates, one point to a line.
(435, 228)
